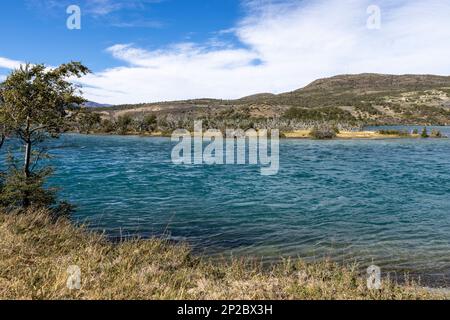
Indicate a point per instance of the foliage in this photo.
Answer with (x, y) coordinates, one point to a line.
(88, 121)
(35, 100)
(368, 108)
(34, 103)
(3, 132)
(324, 133)
(124, 123)
(107, 126)
(425, 133)
(18, 190)
(319, 114)
(436, 134)
(393, 132)
(148, 124)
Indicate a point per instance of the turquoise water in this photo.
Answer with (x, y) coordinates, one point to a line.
(376, 202)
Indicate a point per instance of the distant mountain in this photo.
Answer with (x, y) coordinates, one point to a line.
(258, 96)
(92, 104)
(378, 82)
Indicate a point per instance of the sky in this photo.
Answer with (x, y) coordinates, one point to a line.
(157, 50)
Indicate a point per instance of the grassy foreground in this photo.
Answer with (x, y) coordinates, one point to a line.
(35, 254)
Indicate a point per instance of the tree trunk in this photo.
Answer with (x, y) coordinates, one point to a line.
(27, 173)
(27, 163)
(27, 140)
(26, 167)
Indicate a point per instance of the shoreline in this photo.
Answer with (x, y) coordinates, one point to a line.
(429, 282)
(291, 135)
(156, 269)
(351, 135)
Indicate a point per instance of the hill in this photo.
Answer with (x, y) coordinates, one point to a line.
(92, 104)
(378, 82)
(345, 101)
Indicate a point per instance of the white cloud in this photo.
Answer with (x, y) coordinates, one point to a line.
(92, 7)
(6, 63)
(105, 7)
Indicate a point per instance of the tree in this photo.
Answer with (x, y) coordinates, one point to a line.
(148, 124)
(88, 121)
(425, 133)
(35, 101)
(108, 126)
(123, 123)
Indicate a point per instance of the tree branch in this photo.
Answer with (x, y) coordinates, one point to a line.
(2, 140)
(41, 152)
(38, 128)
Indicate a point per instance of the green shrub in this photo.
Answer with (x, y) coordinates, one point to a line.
(124, 123)
(18, 192)
(108, 126)
(436, 134)
(393, 132)
(319, 114)
(149, 123)
(323, 133)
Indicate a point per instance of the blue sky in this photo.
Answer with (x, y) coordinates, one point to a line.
(38, 31)
(154, 50)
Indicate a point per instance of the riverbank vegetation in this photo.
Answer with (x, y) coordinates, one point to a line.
(38, 255)
(392, 132)
(90, 122)
(327, 133)
(324, 133)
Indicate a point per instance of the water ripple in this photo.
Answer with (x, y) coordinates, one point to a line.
(383, 202)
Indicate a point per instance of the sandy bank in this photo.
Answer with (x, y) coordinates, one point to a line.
(305, 134)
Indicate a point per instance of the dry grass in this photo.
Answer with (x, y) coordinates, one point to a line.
(370, 135)
(298, 134)
(35, 254)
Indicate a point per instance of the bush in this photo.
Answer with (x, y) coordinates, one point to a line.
(319, 114)
(436, 134)
(18, 192)
(323, 133)
(88, 121)
(123, 123)
(148, 124)
(108, 126)
(393, 132)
